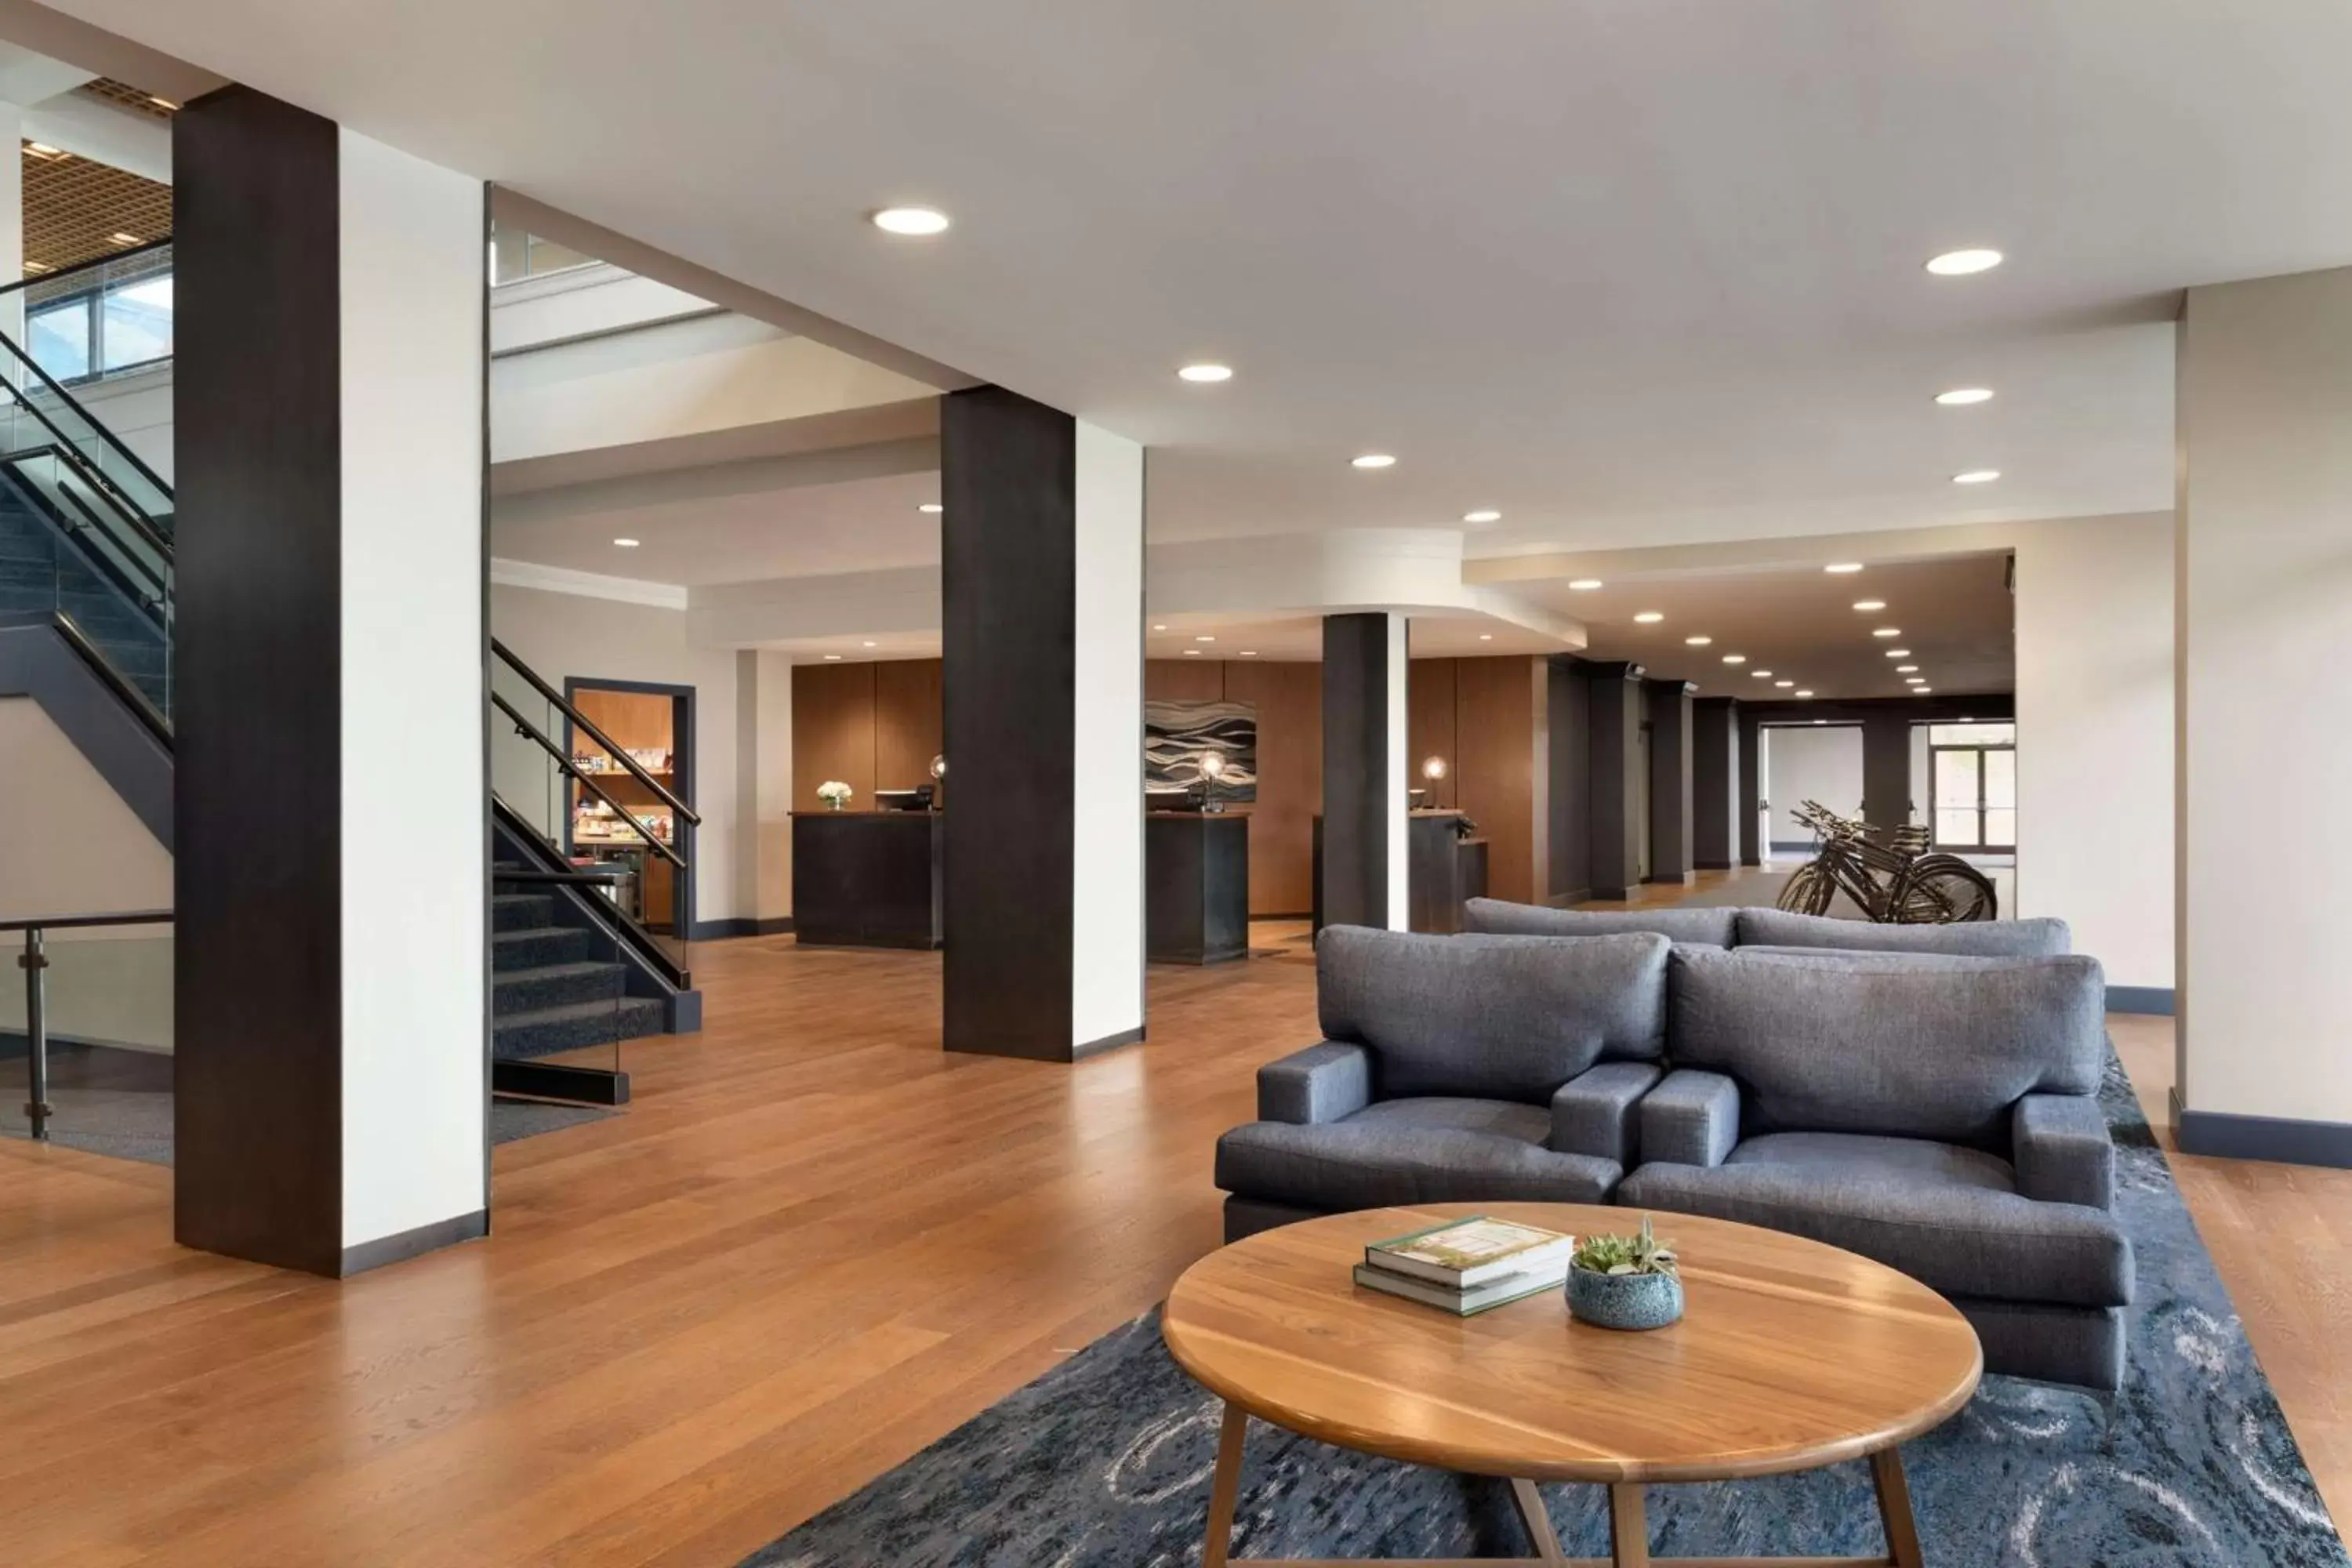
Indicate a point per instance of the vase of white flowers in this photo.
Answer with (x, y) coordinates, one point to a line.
(834, 793)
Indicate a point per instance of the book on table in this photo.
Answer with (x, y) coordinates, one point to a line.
(1499, 1292)
(1464, 1254)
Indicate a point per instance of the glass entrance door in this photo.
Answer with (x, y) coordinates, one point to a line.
(1972, 786)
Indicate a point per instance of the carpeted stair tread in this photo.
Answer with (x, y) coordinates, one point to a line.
(516, 992)
(521, 911)
(574, 1025)
(536, 948)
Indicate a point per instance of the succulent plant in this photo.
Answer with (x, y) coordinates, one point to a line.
(1625, 1254)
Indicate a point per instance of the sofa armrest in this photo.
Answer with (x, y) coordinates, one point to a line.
(2063, 1151)
(1593, 1113)
(1691, 1119)
(1322, 1083)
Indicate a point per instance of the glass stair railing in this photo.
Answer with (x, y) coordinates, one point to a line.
(86, 526)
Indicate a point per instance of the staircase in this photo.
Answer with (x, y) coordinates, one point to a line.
(41, 568)
(548, 992)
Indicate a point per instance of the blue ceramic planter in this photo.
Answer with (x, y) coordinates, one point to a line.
(1624, 1300)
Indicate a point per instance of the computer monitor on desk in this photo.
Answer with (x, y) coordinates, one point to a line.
(916, 799)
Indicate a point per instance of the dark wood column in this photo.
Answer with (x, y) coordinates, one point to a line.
(1669, 704)
(1570, 736)
(1714, 762)
(1886, 769)
(1615, 707)
(1363, 771)
(1019, 568)
(1752, 790)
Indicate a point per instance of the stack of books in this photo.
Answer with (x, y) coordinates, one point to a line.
(1469, 1264)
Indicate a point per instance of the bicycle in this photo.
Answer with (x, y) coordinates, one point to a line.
(1896, 881)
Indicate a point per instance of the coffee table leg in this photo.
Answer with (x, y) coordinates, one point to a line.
(1225, 1489)
(1537, 1521)
(1629, 1526)
(1895, 1508)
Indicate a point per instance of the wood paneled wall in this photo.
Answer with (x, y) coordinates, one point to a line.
(1490, 718)
(873, 726)
(1289, 699)
(1433, 728)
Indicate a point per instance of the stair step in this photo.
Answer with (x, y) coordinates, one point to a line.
(517, 991)
(571, 1027)
(521, 911)
(511, 950)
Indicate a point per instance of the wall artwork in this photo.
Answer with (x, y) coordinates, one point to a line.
(1177, 736)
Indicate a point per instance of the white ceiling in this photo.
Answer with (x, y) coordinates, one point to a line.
(1632, 274)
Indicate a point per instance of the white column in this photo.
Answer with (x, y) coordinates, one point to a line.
(414, 1096)
(1107, 748)
(1396, 778)
(2264, 745)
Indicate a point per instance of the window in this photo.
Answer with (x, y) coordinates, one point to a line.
(136, 324)
(59, 337)
(1972, 786)
(102, 328)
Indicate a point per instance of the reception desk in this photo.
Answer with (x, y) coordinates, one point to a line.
(1196, 887)
(1443, 870)
(866, 878)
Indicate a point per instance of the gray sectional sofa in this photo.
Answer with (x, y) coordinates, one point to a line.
(1936, 1111)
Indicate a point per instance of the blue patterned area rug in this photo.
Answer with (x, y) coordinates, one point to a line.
(1104, 1463)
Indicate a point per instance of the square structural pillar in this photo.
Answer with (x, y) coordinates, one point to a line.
(330, 659)
(1715, 786)
(1364, 767)
(1887, 770)
(1042, 579)
(1671, 824)
(1613, 709)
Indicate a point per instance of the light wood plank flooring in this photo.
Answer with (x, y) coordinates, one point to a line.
(813, 1244)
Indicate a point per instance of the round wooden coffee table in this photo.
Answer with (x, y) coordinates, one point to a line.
(1791, 1355)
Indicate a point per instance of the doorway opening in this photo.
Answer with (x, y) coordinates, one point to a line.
(654, 723)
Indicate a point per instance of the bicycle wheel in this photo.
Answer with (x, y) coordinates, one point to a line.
(1945, 890)
(1805, 886)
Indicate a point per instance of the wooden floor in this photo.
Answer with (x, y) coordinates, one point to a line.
(813, 1244)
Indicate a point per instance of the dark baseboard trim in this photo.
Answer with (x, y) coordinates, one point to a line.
(1285, 915)
(722, 930)
(1672, 879)
(410, 1244)
(1107, 1043)
(1757, 860)
(2280, 1139)
(1803, 848)
(2151, 999)
(773, 925)
(1616, 894)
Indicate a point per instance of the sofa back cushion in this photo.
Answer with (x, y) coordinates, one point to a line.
(1489, 1017)
(1935, 1045)
(2042, 937)
(1706, 928)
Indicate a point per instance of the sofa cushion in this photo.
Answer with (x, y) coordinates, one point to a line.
(1949, 1218)
(1705, 927)
(1411, 1151)
(2042, 938)
(1492, 1017)
(1913, 1047)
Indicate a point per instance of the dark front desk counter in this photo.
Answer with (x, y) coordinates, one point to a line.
(1196, 887)
(1443, 870)
(866, 879)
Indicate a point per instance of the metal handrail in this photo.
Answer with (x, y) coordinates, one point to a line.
(154, 584)
(565, 707)
(34, 961)
(109, 259)
(105, 435)
(64, 624)
(622, 925)
(525, 727)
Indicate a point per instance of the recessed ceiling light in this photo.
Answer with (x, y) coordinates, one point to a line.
(1804, 693)
(43, 149)
(1961, 396)
(122, 236)
(833, 659)
(1899, 653)
(1887, 632)
(626, 544)
(1159, 626)
(1870, 603)
(1916, 680)
(867, 645)
(1485, 636)
(912, 221)
(1784, 683)
(1820, 721)
(1650, 617)
(931, 509)
(1584, 584)
(1761, 674)
(1204, 637)
(1373, 461)
(1735, 659)
(1206, 373)
(1843, 568)
(162, 103)
(1905, 668)
(1960, 263)
(1922, 690)
(1698, 641)
(1191, 653)
(1977, 477)
(1249, 652)
(1483, 514)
